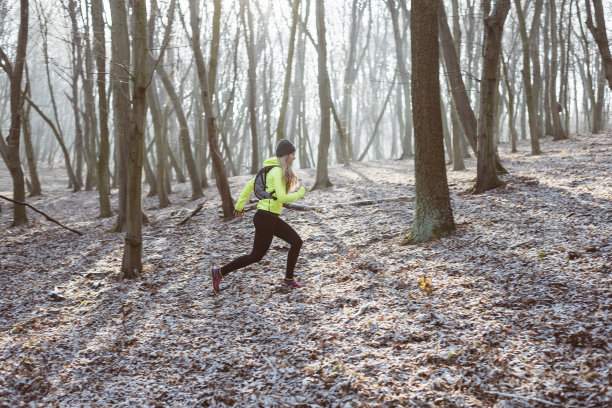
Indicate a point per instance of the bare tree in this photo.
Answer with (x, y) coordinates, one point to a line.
(35, 189)
(558, 131)
(534, 127)
(486, 177)
(403, 78)
(322, 178)
(122, 113)
(131, 266)
(219, 168)
(433, 216)
(77, 62)
(600, 35)
(11, 151)
(280, 128)
(453, 70)
(97, 13)
(249, 38)
(458, 135)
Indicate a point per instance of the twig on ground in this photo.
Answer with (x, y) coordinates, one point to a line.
(40, 212)
(194, 212)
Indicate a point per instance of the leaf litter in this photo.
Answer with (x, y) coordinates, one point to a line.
(512, 310)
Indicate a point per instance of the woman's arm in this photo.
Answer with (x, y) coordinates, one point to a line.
(280, 191)
(244, 195)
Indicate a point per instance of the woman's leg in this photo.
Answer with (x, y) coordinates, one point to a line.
(264, 228)
(286, 233)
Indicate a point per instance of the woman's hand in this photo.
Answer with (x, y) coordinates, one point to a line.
(238, 214)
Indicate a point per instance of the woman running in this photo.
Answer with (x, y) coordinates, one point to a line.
(279, 180)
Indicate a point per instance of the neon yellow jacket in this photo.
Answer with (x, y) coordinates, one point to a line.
(274, 182)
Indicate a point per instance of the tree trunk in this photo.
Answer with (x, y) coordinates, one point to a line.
(29, 148)
(558, 131)
(486, 176)
(249, 39)
(77, 66)
(218, 166)
(600, 35)
(90, 119)
(184, 138)
(131, 266)
(458, 163)
(378, 120)
(214, 48)
(162, 158)
(120, 77)
(104, 151)
(598, 116)
(534, 128)
(297, 111)
(433, 216)
(448, 144)
(404, 75)
(280, 128)
(510, 106)
(453, 70)
(546, 111)
(15, 73)
(322, 178)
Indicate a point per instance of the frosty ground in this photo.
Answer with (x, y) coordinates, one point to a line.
(512, 310)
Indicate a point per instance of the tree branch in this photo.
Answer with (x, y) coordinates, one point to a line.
(40, 212)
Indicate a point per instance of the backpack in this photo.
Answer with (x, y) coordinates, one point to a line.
(260, 184)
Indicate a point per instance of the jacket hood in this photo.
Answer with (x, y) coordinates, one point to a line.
(272, 161)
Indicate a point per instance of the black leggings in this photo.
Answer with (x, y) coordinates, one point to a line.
(268, 225)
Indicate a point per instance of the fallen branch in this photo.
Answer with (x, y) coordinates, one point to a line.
(40, 212)
(194, 212)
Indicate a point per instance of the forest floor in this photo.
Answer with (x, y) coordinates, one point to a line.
(512, 310)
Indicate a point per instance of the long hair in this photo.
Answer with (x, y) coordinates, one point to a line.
(289, 177)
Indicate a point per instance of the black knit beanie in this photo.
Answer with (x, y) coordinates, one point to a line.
(284, 148)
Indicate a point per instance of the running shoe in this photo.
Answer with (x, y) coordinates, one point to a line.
(291, 283)
(216, 276)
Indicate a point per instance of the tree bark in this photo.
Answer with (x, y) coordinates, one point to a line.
(131, 266)
(458, 135)
(433, 217)
(404, 78)
(322, 178)
(184, 137)
(558, 131)
(249, 39)
(486, 176)
(77, 61)
(90, 119)
(280, 128)
(15, 73)
(534, 128)
(156, 112)
(600, 35)
(218, 166)
(29, 148)
(510, 106)
(378, 120)
(120, 81)
(453, 70)
(97, 11)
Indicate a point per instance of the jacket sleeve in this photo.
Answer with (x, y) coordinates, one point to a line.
(280, 191)
(244, 195)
